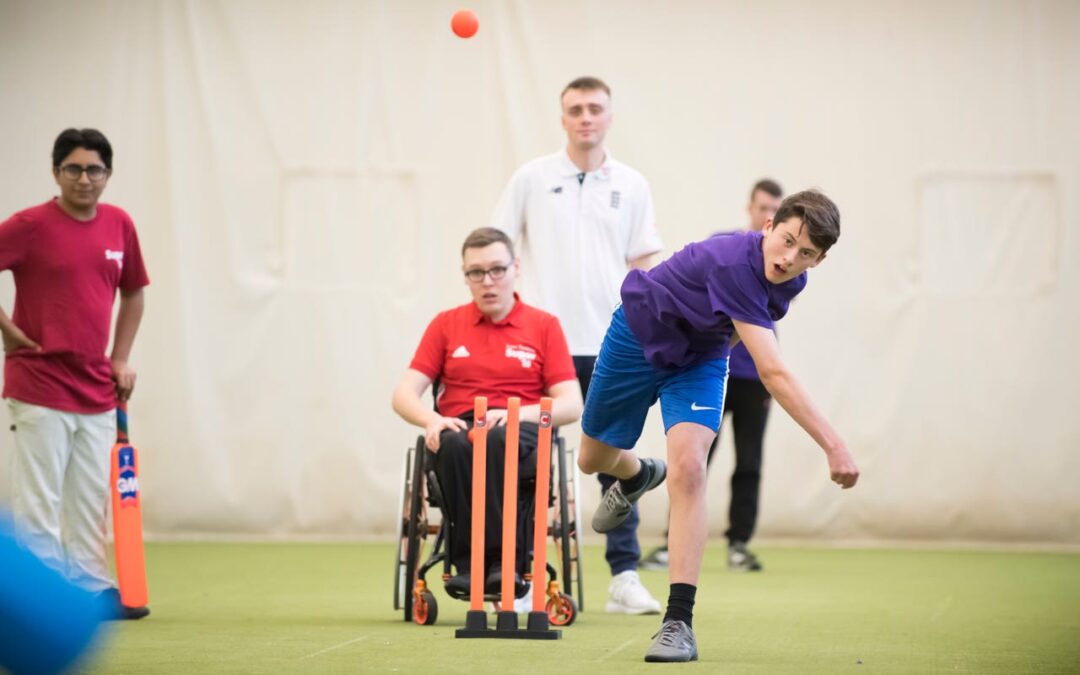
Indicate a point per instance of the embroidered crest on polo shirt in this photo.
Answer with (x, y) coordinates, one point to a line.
(118, 256)
(522, 353)
(615, 199)
(460, 353)
(557, 190)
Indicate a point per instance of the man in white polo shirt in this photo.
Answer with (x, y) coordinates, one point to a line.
(583, 220)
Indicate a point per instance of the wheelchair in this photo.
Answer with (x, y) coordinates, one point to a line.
(424, 524)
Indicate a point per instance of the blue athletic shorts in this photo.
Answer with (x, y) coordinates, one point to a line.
(624, 386)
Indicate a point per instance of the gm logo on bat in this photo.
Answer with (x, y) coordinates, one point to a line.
(545, 420)
(127, 485)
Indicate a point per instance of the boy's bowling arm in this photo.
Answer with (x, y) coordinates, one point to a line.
(789, 393)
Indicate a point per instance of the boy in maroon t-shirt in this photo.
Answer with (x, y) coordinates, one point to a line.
(495, 346)
(69, 256)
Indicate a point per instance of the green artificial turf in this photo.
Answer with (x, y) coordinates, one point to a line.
(327, 608)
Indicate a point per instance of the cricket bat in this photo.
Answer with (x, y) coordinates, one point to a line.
(127, 516)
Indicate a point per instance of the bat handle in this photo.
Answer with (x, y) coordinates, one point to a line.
(121, 422)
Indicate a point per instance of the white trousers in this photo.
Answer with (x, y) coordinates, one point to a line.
(60, 483)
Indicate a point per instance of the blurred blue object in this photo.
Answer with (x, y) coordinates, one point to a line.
(46, 622)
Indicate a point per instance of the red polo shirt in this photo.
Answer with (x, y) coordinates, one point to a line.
(523, 355)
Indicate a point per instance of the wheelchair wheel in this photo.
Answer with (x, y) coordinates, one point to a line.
(575, 494)
(425, 609)
(567, 537)
(561, 610)
(402, 531)
(414, 526)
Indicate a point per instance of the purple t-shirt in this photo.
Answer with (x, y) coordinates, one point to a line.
(681, 310)
(741, 364)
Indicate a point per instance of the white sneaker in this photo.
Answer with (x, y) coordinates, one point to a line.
(626, 595)
(523, 605)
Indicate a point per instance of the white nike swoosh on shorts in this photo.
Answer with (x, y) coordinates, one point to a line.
(695, 407)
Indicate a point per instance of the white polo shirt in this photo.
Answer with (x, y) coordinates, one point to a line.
(577, 238)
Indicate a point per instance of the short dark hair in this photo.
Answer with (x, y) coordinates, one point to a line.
(768, 186)
(486, 236)
(89, 139)
(817, 212)
(586, 84)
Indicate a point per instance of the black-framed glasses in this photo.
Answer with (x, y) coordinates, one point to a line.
(94, 172)
(496, 272)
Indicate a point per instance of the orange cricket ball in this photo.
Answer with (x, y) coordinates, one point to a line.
(464, 23)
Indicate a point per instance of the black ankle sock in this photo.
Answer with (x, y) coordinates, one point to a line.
(680, 603)
(636, 482)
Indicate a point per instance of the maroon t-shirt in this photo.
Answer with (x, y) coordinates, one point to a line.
(66, 273)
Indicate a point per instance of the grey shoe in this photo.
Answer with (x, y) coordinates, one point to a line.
(657, 560)
(615, 506)
(740, 559)
(673, 643)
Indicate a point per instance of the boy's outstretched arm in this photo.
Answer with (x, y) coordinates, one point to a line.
(781, 383)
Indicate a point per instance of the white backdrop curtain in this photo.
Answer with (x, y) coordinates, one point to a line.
(302, 175)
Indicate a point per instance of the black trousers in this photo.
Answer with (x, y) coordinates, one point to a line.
(453, 468)
(748, 403)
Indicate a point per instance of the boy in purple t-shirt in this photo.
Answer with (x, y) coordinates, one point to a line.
(670, 341)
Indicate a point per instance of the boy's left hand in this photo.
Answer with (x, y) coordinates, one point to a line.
(124, 376)
(842, 468)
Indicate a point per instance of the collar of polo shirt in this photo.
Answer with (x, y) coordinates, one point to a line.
(510, 320)
(568, 168)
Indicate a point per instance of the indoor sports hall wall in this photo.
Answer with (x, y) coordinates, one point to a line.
(302, 176)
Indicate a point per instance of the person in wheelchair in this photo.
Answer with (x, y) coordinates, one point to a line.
(499, 347)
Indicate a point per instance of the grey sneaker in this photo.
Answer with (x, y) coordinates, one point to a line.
(657, 560)
(615, 506)
(673, 643)
(740, 559)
